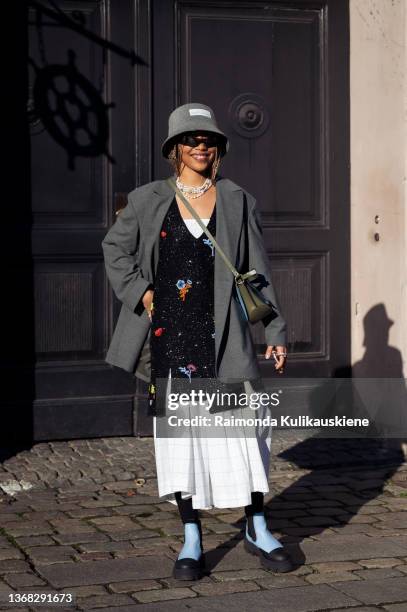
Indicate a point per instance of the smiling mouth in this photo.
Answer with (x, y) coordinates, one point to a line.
(200, 157)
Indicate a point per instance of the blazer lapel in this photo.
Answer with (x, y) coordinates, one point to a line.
(229, 218)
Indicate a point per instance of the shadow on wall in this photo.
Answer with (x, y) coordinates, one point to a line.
(380, 360)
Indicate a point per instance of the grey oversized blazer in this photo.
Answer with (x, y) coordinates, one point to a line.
(131, 249)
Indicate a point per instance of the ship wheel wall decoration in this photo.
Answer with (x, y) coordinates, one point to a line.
(71, 110)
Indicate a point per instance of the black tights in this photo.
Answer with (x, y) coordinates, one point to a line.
(189, 515)
(257, 504)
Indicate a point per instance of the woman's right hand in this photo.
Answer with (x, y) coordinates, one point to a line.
(148, 300)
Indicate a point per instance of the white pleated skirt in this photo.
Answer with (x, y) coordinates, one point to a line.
(217, 472)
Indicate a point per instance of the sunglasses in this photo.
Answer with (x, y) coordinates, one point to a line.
(192, 141)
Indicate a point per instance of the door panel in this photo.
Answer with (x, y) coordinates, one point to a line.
(278, 84)
(83, 150)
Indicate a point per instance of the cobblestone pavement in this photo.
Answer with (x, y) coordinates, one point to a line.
(83, 517)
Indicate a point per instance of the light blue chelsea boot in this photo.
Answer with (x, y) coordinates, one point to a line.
(190, 564)
(259, 541)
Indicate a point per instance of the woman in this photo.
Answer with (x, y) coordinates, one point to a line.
(197, 332)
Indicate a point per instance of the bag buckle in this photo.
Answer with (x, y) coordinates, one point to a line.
(240, 278)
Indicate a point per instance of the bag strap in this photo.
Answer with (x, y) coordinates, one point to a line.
(239, 277)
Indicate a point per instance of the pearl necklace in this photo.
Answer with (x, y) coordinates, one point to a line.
(188, 190)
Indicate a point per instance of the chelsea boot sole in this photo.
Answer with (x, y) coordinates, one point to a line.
(277, 560)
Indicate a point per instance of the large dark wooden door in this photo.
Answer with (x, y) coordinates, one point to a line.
(83, 158)
(276, 75)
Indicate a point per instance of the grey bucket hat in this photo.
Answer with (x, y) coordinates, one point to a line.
(191, 117)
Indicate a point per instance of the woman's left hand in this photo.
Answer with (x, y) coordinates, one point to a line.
(280, 356)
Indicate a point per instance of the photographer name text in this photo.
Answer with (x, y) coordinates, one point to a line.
(220, 420)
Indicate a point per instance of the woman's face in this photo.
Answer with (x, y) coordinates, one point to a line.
(198, 157)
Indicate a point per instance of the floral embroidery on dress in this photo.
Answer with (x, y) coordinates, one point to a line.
(163, 234)
(188, 370)
(209, 243)
(183, 287)
(159, 331)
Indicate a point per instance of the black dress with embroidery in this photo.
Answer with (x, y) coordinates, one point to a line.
(183, 326)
